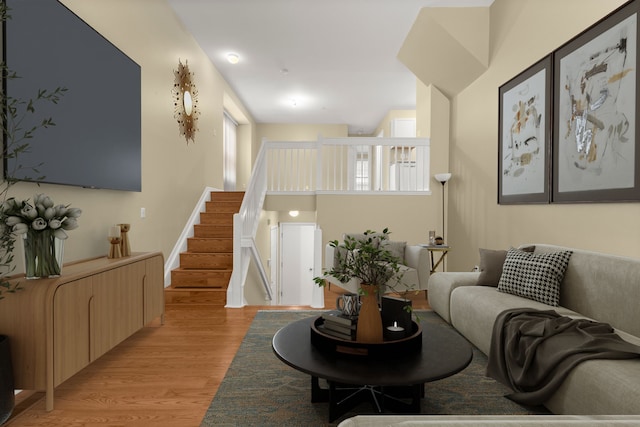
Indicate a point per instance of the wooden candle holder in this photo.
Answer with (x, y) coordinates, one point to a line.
(125, 249)
(114, 250)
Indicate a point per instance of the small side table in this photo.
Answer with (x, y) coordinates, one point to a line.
(443, 250)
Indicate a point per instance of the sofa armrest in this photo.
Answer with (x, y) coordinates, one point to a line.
(417, 257)
(442, 284)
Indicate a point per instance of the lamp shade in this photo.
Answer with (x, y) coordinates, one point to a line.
(443, 177)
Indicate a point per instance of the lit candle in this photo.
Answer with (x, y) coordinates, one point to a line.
(394, 332)
(395, 327)
(114, 231)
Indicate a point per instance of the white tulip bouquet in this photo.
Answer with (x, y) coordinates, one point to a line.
(40, 224)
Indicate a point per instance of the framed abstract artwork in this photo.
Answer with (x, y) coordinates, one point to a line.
(595, 131)
(524, 135)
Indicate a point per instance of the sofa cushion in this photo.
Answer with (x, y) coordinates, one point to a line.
(491, 262)
(396, 249)
(534, 276)
(473, 311)
(440, 286)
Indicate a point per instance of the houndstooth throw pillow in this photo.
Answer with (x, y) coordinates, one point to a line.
(535, 276)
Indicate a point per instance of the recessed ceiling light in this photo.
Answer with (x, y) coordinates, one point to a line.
(233, 58)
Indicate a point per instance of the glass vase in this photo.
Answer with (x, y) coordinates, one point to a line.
(43, 254)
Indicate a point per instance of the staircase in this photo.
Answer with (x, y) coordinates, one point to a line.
(205, 268)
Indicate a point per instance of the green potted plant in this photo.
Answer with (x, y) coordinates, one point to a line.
(368, 260)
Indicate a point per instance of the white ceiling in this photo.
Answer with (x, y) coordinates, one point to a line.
(335, 58)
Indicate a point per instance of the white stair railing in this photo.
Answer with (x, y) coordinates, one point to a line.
(245, 226)
(348, 165)
(359, 165)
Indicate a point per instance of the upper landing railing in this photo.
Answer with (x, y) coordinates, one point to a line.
(348, 165)
(327, 166)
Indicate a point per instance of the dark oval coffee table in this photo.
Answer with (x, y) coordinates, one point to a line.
(387, 383)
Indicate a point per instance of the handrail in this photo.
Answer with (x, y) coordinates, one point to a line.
(245, 227)
(261, 271)
(348, 165)
(329, 165)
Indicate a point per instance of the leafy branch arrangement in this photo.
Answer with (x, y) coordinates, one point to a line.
(366, 259)
(14, 113)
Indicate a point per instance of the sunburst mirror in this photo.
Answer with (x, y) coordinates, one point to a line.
(185, 102)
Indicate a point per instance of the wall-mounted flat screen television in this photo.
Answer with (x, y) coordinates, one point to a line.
(96, 140)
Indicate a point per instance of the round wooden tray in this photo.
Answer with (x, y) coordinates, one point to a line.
(383, 350)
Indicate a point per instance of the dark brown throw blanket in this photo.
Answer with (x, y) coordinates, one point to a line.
(532, 351)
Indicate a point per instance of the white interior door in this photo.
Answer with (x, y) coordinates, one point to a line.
(273, 262)
(296, 263)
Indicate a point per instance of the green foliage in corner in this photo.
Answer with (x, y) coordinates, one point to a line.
(14, 113)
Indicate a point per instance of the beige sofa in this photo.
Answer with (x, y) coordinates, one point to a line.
(597, 286)
(415, 266)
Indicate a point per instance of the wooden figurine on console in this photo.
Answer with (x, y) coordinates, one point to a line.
(115, 240)
(125, 249)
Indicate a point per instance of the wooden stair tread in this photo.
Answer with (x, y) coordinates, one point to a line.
(200, 278)
(222, 207)
(216, 218)
(209, 230)
(210, 244)
(200, 272)
(208, 261)
(195, 295)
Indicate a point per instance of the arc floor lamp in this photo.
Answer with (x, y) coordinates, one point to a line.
(442, 178)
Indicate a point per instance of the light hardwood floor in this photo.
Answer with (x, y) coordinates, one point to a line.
(164, 375)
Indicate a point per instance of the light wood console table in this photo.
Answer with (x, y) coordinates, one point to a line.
(58, 326)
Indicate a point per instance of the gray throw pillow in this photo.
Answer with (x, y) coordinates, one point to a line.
(396, 249)
(491, 262)
(534, 276)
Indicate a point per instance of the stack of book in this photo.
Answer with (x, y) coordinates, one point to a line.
(338, 325)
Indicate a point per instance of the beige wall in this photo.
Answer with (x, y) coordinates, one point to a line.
(522, 32)
(299, 132)
(174, 174)
(385, 124)
(405, 216)
(433, 122)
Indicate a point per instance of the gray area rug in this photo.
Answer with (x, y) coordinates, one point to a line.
(260, 390)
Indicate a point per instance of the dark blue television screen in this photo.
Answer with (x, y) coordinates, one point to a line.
(96, 140)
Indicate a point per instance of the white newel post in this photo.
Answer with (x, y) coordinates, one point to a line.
(235, 291)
